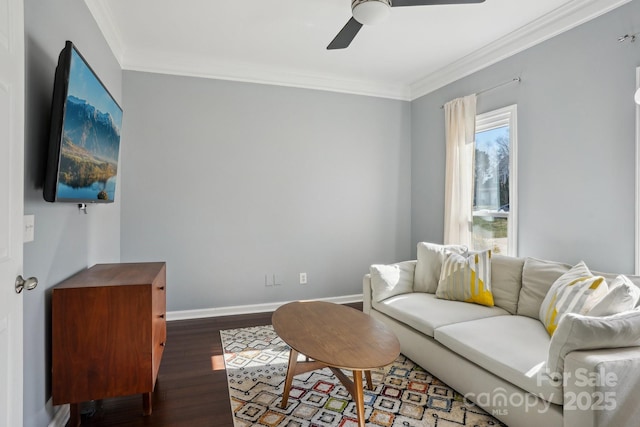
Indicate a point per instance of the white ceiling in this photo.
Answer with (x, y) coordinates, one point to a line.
(417, 50)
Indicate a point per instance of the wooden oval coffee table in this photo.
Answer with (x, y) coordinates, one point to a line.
(337, 337)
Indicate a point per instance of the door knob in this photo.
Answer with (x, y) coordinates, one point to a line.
(30, 283)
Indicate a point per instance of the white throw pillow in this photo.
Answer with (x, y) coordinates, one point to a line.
(576, 291)
(391, 280)
(623, 296)
(429, 265)
(578, 332)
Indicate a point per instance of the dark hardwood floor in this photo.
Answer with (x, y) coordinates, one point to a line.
(192, 385)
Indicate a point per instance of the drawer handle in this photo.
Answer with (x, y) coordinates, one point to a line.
(162, 344)
(161, 288)
(161, 316)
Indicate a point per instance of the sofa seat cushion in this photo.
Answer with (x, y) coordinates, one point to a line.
(515, 348)
(424, 312)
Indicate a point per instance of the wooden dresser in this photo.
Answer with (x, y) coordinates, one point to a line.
(108, 333)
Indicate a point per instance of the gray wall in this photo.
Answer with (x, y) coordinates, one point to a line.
(228, 182)
(66, 241)
(576, 133)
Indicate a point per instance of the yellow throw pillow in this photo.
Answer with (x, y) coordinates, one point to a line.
(466, 279)
(576, 291)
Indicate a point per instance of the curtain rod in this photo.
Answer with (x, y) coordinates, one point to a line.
(514, 80)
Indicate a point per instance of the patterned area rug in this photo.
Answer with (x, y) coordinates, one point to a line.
(404, 395)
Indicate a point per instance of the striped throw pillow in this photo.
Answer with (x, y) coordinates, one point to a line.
(466, 279)
(576, 291)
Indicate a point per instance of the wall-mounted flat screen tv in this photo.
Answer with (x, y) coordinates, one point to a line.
(84, 139)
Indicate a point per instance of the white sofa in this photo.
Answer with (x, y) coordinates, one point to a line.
(495, 356)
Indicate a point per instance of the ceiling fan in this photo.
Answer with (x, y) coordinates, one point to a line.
(369, 12)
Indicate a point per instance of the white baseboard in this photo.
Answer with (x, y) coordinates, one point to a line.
(61, 415)
(249, 309)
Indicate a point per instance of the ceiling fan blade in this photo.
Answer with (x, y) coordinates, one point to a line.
(346, 35)
(399, 3)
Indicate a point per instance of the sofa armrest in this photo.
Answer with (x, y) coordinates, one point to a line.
(366, 293)
(601, 387)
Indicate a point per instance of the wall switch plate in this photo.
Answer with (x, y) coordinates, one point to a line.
(28, 230)
(303, 278)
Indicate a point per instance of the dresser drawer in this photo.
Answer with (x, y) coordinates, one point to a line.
(159, 292)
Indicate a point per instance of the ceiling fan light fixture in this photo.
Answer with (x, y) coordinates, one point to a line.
(370, 12)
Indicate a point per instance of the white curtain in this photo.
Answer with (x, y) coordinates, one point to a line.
(460, 120)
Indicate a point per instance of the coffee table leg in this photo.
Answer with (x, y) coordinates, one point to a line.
(359, 397)
(291, 369)
(367, 374)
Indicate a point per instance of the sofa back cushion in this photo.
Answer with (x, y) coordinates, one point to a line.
(430, 259)
(537, 277)
(506, 281)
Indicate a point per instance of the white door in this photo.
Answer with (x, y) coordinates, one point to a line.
(11, 208)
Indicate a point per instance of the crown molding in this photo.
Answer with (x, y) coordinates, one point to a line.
(198, 66)
(103, 16)
(562, 19)
(170, 63)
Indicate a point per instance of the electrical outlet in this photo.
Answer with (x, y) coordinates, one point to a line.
(303, 278)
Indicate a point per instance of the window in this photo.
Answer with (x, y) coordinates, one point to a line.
(494, 193)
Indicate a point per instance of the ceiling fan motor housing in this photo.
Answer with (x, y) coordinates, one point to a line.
(370, 12)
